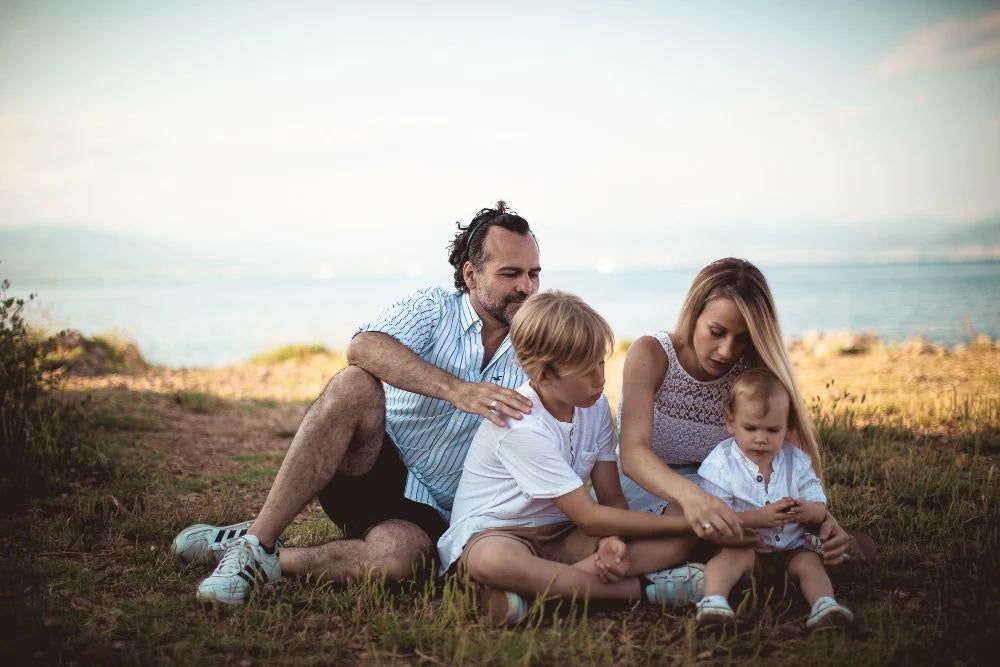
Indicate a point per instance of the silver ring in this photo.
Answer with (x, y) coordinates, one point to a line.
(493, 404)
(706, 526)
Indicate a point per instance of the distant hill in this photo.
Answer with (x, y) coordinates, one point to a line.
(64, 253)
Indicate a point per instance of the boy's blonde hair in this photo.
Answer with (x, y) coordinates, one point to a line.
(558, 333)
(744, 284)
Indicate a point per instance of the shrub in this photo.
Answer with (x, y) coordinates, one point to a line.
(40, 439)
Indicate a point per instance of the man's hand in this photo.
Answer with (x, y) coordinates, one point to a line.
(490, 400)
(710, 518)
(611, 560)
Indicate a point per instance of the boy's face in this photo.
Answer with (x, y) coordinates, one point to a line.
(759, 436)
(580, 389)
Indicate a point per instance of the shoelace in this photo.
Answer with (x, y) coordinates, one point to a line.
(232, 560)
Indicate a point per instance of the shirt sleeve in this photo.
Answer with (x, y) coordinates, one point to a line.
(535, 463)
(606, 435)
(806, 481)
(722, 494)
(714, 476)
(411, 321)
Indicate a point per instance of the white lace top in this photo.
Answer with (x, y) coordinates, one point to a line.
(688, 420)
(688, 414)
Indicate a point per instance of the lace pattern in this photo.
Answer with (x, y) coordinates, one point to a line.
(688, 414)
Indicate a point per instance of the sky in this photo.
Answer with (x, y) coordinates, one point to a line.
(336, 137)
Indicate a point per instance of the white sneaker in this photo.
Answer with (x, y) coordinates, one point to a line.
(714, 610)
(827, 613)
(676, 586)
(501, 608)
(204, 543)
(244, 565)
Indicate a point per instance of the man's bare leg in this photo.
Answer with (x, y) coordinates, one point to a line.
(392, 549)
(343, 430)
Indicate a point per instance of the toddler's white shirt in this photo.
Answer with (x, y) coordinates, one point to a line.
(727, 473)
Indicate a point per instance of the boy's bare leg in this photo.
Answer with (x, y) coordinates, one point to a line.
(343, 430)
(508, 565)
(726, 568)
(808, 569)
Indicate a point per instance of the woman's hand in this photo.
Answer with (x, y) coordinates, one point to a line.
(710, 518)
(835, 540)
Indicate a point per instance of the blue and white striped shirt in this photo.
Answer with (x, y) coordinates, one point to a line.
(432, 436)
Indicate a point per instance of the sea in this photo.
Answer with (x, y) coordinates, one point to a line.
(221, 321)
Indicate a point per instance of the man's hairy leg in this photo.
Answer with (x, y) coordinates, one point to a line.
(393, 548)
(343, 430)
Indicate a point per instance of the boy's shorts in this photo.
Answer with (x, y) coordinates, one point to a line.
(561, 542)
(358, 503)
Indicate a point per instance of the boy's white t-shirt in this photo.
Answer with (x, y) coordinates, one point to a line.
(728, 474)
(512, 472)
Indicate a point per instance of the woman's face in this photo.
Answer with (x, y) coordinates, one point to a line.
(720, 337)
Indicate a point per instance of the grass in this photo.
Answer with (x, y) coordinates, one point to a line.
(89, 578)
(296, 351)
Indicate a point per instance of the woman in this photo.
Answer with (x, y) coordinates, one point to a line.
(671, 410)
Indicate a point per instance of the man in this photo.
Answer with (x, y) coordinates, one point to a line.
(383, 445)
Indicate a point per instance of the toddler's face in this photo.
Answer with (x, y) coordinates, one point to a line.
(759, 428)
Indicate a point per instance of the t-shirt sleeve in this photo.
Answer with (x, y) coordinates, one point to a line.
(606, 434)
(536, 464)
(808, 484)
(411, 321)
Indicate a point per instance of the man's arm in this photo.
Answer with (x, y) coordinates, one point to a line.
(393, 363)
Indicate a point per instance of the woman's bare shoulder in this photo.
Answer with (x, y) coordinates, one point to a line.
(646, 362)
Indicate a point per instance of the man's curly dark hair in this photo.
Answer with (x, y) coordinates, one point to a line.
(469, 243)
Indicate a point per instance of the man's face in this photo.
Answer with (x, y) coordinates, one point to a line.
(508, 276)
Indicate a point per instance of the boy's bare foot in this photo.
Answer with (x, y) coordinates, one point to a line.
(611, 559)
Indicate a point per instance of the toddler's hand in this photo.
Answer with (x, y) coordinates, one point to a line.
(611, 560)
(778, 513)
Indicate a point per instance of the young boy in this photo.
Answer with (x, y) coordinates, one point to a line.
(772, 485)
(523, 522)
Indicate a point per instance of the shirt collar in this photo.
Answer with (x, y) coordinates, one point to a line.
(749, 463)
(468, 317)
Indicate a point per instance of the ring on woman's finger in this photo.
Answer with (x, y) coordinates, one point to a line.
(706, 526)
(493, 404)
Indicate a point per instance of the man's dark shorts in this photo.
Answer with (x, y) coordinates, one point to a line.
(358, 503)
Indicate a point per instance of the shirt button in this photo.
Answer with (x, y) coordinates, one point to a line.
(777, 538)
(760, 478)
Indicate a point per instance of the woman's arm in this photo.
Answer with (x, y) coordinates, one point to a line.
(645, 369)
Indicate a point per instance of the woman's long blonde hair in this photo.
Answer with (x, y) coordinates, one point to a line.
(744, 284)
